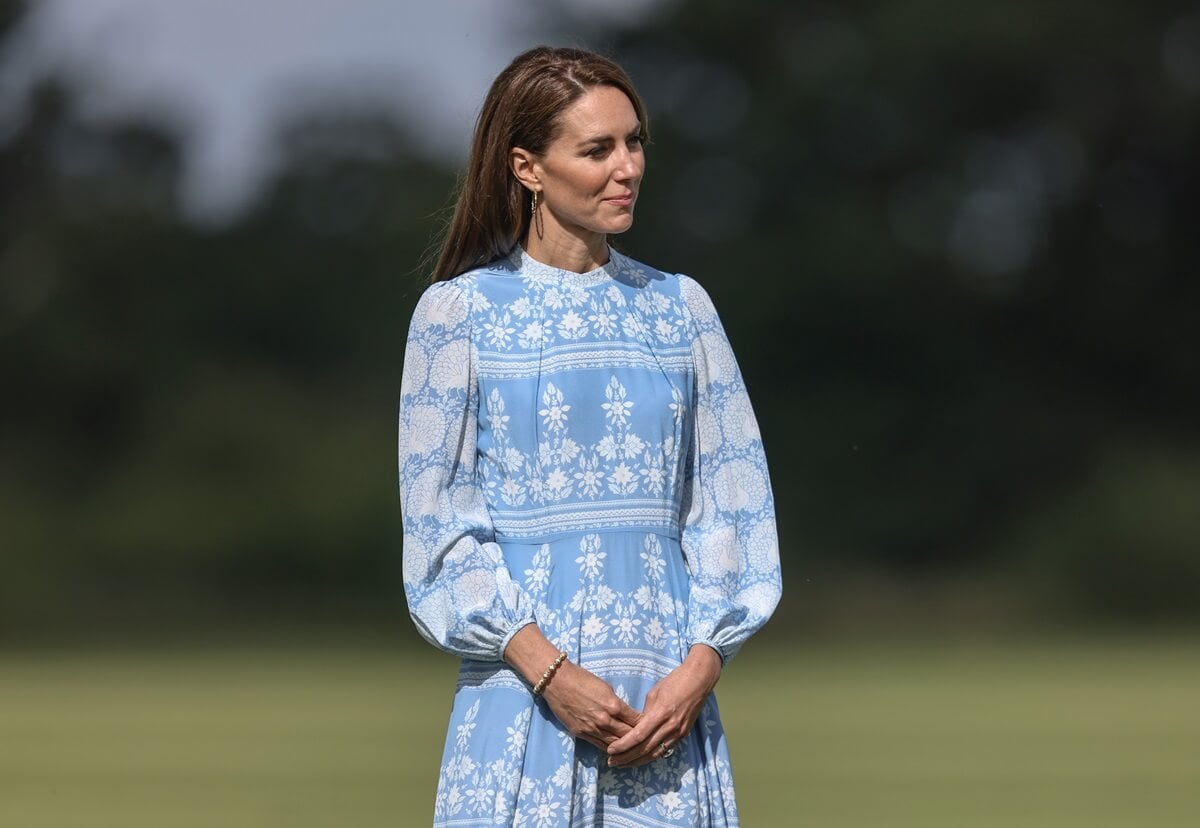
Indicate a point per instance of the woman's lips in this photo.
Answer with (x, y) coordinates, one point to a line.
(621, 201)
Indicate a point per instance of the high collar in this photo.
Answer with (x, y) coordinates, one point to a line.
(541, 272)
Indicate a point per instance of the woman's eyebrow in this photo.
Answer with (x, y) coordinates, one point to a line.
(604, 139)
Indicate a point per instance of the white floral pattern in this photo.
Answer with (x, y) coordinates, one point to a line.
(578, 450)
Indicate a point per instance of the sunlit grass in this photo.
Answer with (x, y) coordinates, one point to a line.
(1038, 734)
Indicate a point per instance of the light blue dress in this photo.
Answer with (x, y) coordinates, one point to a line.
(578, 450)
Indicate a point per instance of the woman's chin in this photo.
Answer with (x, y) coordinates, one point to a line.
(621, 225)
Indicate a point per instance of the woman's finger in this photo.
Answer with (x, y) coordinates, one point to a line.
(650, 722)
(628, 715)
(653, 756)
(645, 751)
(613, 731)
(634, 737)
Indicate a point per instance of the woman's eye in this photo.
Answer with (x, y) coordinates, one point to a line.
(597, 152)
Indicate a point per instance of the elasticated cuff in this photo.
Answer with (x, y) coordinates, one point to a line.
(724, 656)
(516, 628)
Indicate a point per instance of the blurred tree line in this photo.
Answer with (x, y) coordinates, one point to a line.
(948, 241)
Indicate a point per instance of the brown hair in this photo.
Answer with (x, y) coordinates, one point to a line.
(491, 210)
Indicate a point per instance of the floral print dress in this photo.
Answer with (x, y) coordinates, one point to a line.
(578, 450)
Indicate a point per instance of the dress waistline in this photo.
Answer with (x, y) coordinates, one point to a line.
(575, 519)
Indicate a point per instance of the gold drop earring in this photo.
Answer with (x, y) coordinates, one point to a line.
(536, 210)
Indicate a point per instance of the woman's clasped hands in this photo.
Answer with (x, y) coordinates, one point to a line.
(589, 709)
(672, 707)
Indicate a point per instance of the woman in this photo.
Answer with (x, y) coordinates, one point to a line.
(588, 520)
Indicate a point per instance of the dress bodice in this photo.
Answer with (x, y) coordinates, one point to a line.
(585, 385)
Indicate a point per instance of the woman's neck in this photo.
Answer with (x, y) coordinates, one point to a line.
(567, 252)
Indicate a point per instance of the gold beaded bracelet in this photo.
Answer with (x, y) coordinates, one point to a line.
(549, 674)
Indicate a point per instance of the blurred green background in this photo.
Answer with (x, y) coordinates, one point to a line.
(949, 243)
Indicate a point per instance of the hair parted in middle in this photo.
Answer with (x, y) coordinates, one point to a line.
(522, 109)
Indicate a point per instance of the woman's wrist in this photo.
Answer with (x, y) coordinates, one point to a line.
(529, 652)
(707, 661)
(540, 687)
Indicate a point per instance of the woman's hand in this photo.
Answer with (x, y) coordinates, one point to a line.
(587, 706)
(584, 703)
(672, 707)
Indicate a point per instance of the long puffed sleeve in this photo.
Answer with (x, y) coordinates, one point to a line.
(460, 593)
(729, 537)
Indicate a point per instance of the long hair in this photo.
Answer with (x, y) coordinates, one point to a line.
(522, 108)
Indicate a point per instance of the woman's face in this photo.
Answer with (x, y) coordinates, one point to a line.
(590, 174)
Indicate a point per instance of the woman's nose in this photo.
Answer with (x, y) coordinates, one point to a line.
(628, 165)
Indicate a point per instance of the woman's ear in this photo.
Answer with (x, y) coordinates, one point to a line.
(523, 163)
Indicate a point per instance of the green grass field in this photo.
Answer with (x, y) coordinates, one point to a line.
(1085, 733)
